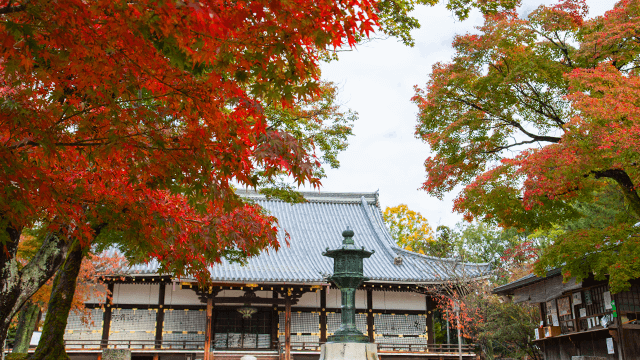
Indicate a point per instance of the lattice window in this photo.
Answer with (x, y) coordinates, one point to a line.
(305, 328)
(84, 329)
(135, 327)
(593, 305)
(184, 328)
(233, 331)
(333, 322)
(629, 301)
(400, 328)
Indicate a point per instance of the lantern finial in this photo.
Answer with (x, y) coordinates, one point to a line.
(348, 235)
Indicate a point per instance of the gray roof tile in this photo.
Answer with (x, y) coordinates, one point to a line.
(318, 224)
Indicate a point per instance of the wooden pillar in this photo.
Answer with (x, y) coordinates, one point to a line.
(323, 315)
(106, 323)
(370, 322)
(287, 328)
(431, 307)
(275, 319)
(160, 316)
(207, 332)
(621, 340)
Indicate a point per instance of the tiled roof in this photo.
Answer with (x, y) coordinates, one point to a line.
(318, 224)
(507, 289)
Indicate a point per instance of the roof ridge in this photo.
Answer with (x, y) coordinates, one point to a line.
(398, 248)
(317, 196)
(376, 231)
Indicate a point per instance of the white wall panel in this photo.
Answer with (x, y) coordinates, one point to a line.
(310, 299)
(333, 299)
(137, 294)
(174, 295)
(398, 301)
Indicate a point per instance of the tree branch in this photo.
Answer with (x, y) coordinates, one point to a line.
(626, 184)
(9, 9)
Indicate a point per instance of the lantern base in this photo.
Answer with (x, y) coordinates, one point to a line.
(349, 351)
(348, 337)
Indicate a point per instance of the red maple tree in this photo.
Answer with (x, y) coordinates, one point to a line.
(128, 122)
(536, 114)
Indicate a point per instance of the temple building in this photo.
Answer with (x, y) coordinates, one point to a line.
(279, 305)
(580, 319)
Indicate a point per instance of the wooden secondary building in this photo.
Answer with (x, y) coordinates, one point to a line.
(290, 306)
(580, 318)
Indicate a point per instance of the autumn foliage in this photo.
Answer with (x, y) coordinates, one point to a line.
(130, 124)
(535, 114)
(142, 114)
(409, 228)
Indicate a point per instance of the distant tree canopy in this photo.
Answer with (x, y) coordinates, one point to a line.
(537, 117)
(410, 229)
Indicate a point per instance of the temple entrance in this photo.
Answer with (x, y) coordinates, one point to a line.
(232, 331)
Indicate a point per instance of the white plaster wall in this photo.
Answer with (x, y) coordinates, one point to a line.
(333, 299)
(398, 301)
(174, 295)
(361, 299)
(310, 299)
(138, 294)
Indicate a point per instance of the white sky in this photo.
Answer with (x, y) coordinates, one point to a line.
(377, 80)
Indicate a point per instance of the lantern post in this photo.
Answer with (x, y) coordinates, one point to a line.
(348, 274)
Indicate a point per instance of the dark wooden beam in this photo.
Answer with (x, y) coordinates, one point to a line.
(141, 279)
(243, 300)
(160, 316)
(370, 315)
(275, 318)
(431, 307)
(106, 323)
(323, 315)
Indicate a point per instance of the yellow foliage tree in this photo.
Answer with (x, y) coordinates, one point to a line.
(410, 229)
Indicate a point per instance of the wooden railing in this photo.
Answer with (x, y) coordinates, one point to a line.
(295, 346)
(434, 348)
(134, 344)
(392, 347)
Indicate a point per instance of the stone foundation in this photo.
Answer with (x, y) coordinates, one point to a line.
(349, 351)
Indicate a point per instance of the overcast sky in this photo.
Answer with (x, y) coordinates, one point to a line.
(377, 80)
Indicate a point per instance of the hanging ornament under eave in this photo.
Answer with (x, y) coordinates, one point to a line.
(247, 311)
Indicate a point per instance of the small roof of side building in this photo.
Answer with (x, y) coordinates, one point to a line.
(509, 288)
(536, 289)
(316, 225)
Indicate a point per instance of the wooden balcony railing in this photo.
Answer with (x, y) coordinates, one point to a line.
(432, 348)
(392, 347)
(134, 344)
(168, 345)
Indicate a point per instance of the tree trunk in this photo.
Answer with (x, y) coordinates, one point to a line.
(51, 345)
(18, 285)
(27, 321)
